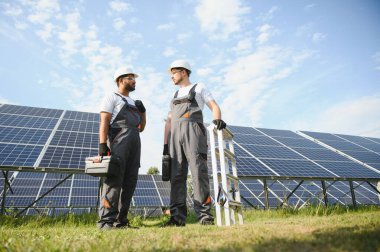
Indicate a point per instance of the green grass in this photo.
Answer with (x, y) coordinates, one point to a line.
(312, 229)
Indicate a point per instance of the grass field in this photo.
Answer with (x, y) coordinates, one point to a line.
(312, 229)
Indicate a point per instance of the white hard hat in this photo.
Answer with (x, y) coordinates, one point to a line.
(123, 71)
(180, 63)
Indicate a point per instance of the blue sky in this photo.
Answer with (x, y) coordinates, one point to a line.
(297, 65)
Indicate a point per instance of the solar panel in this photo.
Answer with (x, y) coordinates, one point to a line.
(57, 140)
(23, 135)
(376, 140)
(66, 157)
(268, 156)
(146, 193)
(30, 111)
(332, 163)
(19, 155)
(248, 166)
(33, 122)
(78, 191)
(353, 146)
(46, 138)
(163, 189)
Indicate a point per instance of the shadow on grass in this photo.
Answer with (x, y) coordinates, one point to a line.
(160, 221)
(342, 239)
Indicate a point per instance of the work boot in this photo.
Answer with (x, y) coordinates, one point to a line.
(207, 221)
(105, 226)
(174, 223)
(124, 225)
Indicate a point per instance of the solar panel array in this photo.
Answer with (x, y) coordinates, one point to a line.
(54, 140)
(79, 191)
(364, 149)
(46, 138)
(271, 152)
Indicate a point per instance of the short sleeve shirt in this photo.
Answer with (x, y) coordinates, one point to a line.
(113, 103)
(202, 94)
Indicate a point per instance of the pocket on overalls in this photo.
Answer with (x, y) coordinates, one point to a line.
(202, 127)
(114, 166)
(112, 133)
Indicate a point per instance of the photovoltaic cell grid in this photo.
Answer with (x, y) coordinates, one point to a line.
(25, 133)
(366, 150)
(146, 193)
(79, 191)
(323, 159)
(75, 139)
(260, 154)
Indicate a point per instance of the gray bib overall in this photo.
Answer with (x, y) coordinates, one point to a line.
(188, 148)
(125, 145)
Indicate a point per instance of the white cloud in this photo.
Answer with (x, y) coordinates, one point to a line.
(243, 45)
(5, 101)
(204, 71)
(166, 27)
(42, 10)
(71, 37)
(11, 10)
(318, 37)
(169, 51)
(265, 32)
(7, 31)
(253, 79)
(133, 37)
(220, 18)
(120, 6)
(376, 58)
(303, 29)
(183, 36)
(356, 117)
(268, 15)
(118, 24)
(46, 33)
(134, 20)
(309, 7)
(20, 25)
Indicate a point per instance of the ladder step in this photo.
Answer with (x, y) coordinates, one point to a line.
(227, 134)
(227, 153)
(234, 203)
(232, 177)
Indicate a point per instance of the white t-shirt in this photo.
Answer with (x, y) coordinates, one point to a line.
(113, 103)
(202, 95)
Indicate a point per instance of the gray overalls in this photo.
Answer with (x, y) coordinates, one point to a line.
(188, 147)
(125, 145)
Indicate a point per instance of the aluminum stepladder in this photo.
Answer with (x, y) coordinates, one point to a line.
(229, 182)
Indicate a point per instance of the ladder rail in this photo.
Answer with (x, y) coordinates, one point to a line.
(222, 162)
(215, 175)
(236, 183)
(228, 179)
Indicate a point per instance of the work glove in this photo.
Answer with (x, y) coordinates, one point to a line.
(140, 106)
(166, 150)
(103, 149)
(220, 124)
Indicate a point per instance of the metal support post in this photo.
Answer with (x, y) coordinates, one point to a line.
(324, 190)
(4, 191)
(352, 193)
(266, 194)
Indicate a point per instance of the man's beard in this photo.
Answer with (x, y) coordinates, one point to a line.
(177, 82)
(129, 88)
